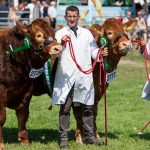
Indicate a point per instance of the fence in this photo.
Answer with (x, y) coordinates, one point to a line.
(7, 22)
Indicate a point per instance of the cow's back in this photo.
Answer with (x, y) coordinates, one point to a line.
(13, 69)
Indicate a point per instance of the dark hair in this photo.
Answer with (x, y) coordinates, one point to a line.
(72, 8)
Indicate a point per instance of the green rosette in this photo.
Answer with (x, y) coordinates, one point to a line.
(25, 46)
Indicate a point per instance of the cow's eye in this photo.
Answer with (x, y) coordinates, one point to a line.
(38, 35)
(109, 33)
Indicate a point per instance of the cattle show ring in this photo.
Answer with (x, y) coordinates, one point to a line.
(28, 59)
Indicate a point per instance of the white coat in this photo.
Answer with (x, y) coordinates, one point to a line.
(146, 90)
(67, 73)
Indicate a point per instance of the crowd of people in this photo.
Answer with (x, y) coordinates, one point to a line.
(143, 26)
(29, 11)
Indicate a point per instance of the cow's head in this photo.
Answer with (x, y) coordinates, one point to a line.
(41, 36)
(116, 33)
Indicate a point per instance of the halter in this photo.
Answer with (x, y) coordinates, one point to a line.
(27, 44)
(119, 36)
(116, 40)
(38, 48)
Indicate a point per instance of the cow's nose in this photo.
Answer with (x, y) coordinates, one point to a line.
(126, 45)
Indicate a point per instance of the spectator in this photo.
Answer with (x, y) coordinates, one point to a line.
(71, 86)
(141, 25)
(44, 10)
(34, 10)
(4, 14)
(127, 17)
(12, 16)
(25, 15)
(52, 12)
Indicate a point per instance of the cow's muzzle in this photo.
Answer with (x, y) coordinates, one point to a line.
(125, 46)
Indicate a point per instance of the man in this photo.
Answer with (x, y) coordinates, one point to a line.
(52, 13)
(4, 10)
(71, 86)
(34, 10)
(141, 26)
(127, 17)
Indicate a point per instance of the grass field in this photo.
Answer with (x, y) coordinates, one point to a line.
(127, 114)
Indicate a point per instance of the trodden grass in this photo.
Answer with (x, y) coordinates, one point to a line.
(127, 114)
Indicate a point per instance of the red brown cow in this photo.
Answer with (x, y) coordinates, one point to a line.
(118, 45)
(18, 69)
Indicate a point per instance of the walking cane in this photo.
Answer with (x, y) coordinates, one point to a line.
(104, 42)
(105, 108)
(141, 131)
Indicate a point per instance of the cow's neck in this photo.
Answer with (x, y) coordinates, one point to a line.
(36, 60)
(113, 61)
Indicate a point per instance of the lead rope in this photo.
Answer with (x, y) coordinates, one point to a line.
(99, 54)
(77, 64)
(102, 67)
(146, 57)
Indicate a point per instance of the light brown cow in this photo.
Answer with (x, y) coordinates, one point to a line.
(119, 45)
(18, 69)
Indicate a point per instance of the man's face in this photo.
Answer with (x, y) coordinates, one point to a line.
(129, 15)
(72, 18)
(34, 1)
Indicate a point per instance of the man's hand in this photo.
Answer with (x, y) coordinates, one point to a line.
(105, 51)
(64, 40)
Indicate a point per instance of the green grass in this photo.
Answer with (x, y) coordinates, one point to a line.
(127, 114)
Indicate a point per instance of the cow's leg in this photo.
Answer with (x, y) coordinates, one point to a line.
(79, 131)
(22, 116)
(2, 121)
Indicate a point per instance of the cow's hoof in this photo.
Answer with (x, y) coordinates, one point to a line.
(97, 135)
(79, 138)
(23, 137)
(23, 142)
(2, 146)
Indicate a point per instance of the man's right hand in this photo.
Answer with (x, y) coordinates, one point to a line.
(65, 39)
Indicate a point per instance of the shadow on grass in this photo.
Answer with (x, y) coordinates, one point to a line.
(43, 135)
(109, 135)
(35, 135)
(144, 136)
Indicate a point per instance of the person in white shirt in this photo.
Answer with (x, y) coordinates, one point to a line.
(34, 10)
(127, 17)
(52, 13)
(146, 90)
(71, 86)
(141, 26)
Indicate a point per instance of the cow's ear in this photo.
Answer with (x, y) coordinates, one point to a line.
(130, 25)
(101, 32)
(22, 28)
